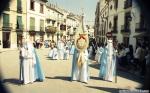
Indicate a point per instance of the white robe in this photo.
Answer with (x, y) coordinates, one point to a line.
(27, 65)
(55, 53)
(60, 49)
(111, 62)
(80, 74)
(98, 54)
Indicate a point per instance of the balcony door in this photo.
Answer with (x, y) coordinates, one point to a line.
(6, 39)
(6, 31)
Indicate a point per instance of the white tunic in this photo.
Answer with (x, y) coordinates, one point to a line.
(80, 74)
(27, 73)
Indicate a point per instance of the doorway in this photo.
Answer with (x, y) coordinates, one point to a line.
(6, 39)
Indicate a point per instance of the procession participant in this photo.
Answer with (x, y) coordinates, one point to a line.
(72, 49)
(80, 57)
(66, 53)
(27, 64)
(50, 53)
(55, 53)
(99, 52)
(108, 62)
(60, 46)
(38, 73)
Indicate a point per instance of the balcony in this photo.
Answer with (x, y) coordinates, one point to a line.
(125, 29)
(44, 0)
(63, 27)
(114, 30)
(127, 4)
(19, 9)
(51, 29)
(7, 8)
(7, 26)
(139, 27)
(32, 28)
(42, 29)
(32, 33)
(19, 27)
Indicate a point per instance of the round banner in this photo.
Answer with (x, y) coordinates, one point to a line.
(81, 41)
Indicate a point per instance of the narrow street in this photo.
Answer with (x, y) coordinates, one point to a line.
(57, 77)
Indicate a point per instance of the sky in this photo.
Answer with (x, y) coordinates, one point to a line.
(75, 6)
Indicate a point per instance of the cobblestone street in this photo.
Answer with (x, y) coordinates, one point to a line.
(57, 77)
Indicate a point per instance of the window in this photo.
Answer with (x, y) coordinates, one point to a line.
(115, 23)
(110, 25)
(128, 18)
(53, 23)
(116, 4)
(41, 25)
(32, 5)
(7, 7)
(127, 4)
(6, 20)
(19, 6)
(62, 27)
(41, 8)
(111, 7)
(32, 23)
(142, 21)
(126, 41)
(19, 22)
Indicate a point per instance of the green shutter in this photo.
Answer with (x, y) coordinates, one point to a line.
(6, 20)
(18, 4)
(32, 23)
(19, 22)
(42, 25)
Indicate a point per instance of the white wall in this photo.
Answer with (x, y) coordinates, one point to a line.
(36, 14)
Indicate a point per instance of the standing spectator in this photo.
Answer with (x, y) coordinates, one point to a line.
(143, 60)
(137, 56)
(122, 56)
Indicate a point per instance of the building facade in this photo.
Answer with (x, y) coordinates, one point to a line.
(123, 18)
(72, 25)
(12, 24)
(35, 18)
(36, 11)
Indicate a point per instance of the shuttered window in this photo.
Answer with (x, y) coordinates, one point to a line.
(32, 23)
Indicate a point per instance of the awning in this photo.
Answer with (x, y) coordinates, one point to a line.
(141, 35)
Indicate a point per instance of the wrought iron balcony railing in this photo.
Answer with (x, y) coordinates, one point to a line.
(42, 29)
(51, 29)
(125, 29)
(114, 29)
(32, 28)
(19, 27)
(19, 9)
(7, 26)
(140, 27)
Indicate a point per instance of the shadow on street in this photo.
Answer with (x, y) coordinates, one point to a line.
(95, 78)
(12, 80)
(112, 90)
(60, 77)
(120, 73)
